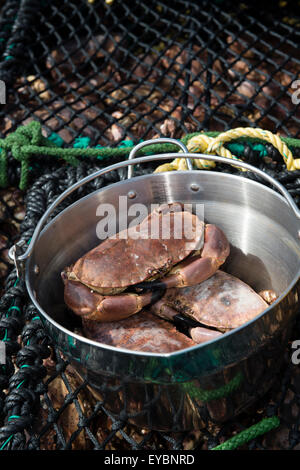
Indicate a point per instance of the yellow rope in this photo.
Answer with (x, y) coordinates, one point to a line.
(108, 2)
(268, 136)
(202, 143)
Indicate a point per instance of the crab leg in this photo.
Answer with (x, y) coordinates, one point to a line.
(93, 306)
(269, 295)
(198, 268)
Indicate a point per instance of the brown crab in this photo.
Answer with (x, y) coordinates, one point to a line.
(126, 272)
(202, 313)
(141, 332)
(219, 304)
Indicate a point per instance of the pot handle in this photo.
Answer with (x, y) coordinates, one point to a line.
(19, 259)
(161, 140)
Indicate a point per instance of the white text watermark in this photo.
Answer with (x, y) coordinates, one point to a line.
(2, 352)
(136, 221)
(296, 95)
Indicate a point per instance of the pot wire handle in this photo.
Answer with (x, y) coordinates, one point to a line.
(161, 140)
(20, 259)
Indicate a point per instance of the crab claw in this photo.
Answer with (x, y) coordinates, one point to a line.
(197, 333)
(93, 306)
(198, 268)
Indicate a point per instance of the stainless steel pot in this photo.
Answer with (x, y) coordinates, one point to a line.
(215, 380)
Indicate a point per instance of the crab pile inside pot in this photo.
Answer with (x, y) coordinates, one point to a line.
(125, 288)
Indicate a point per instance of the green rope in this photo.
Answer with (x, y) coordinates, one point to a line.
(264, 426)
(213, 394)
(28, 141)
(6, 442)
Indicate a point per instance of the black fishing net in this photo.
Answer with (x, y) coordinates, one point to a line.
(130, 70)
(142, 69)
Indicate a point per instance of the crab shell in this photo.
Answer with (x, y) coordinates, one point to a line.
(132, 256)
(141, 332)
(222, 302)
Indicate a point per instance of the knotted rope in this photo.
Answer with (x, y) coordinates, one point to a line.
(28, 141)
(24, 142)
(199, 143)
(214, 145)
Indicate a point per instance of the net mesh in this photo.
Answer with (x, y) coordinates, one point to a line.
(143, 69)
(132, 70)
